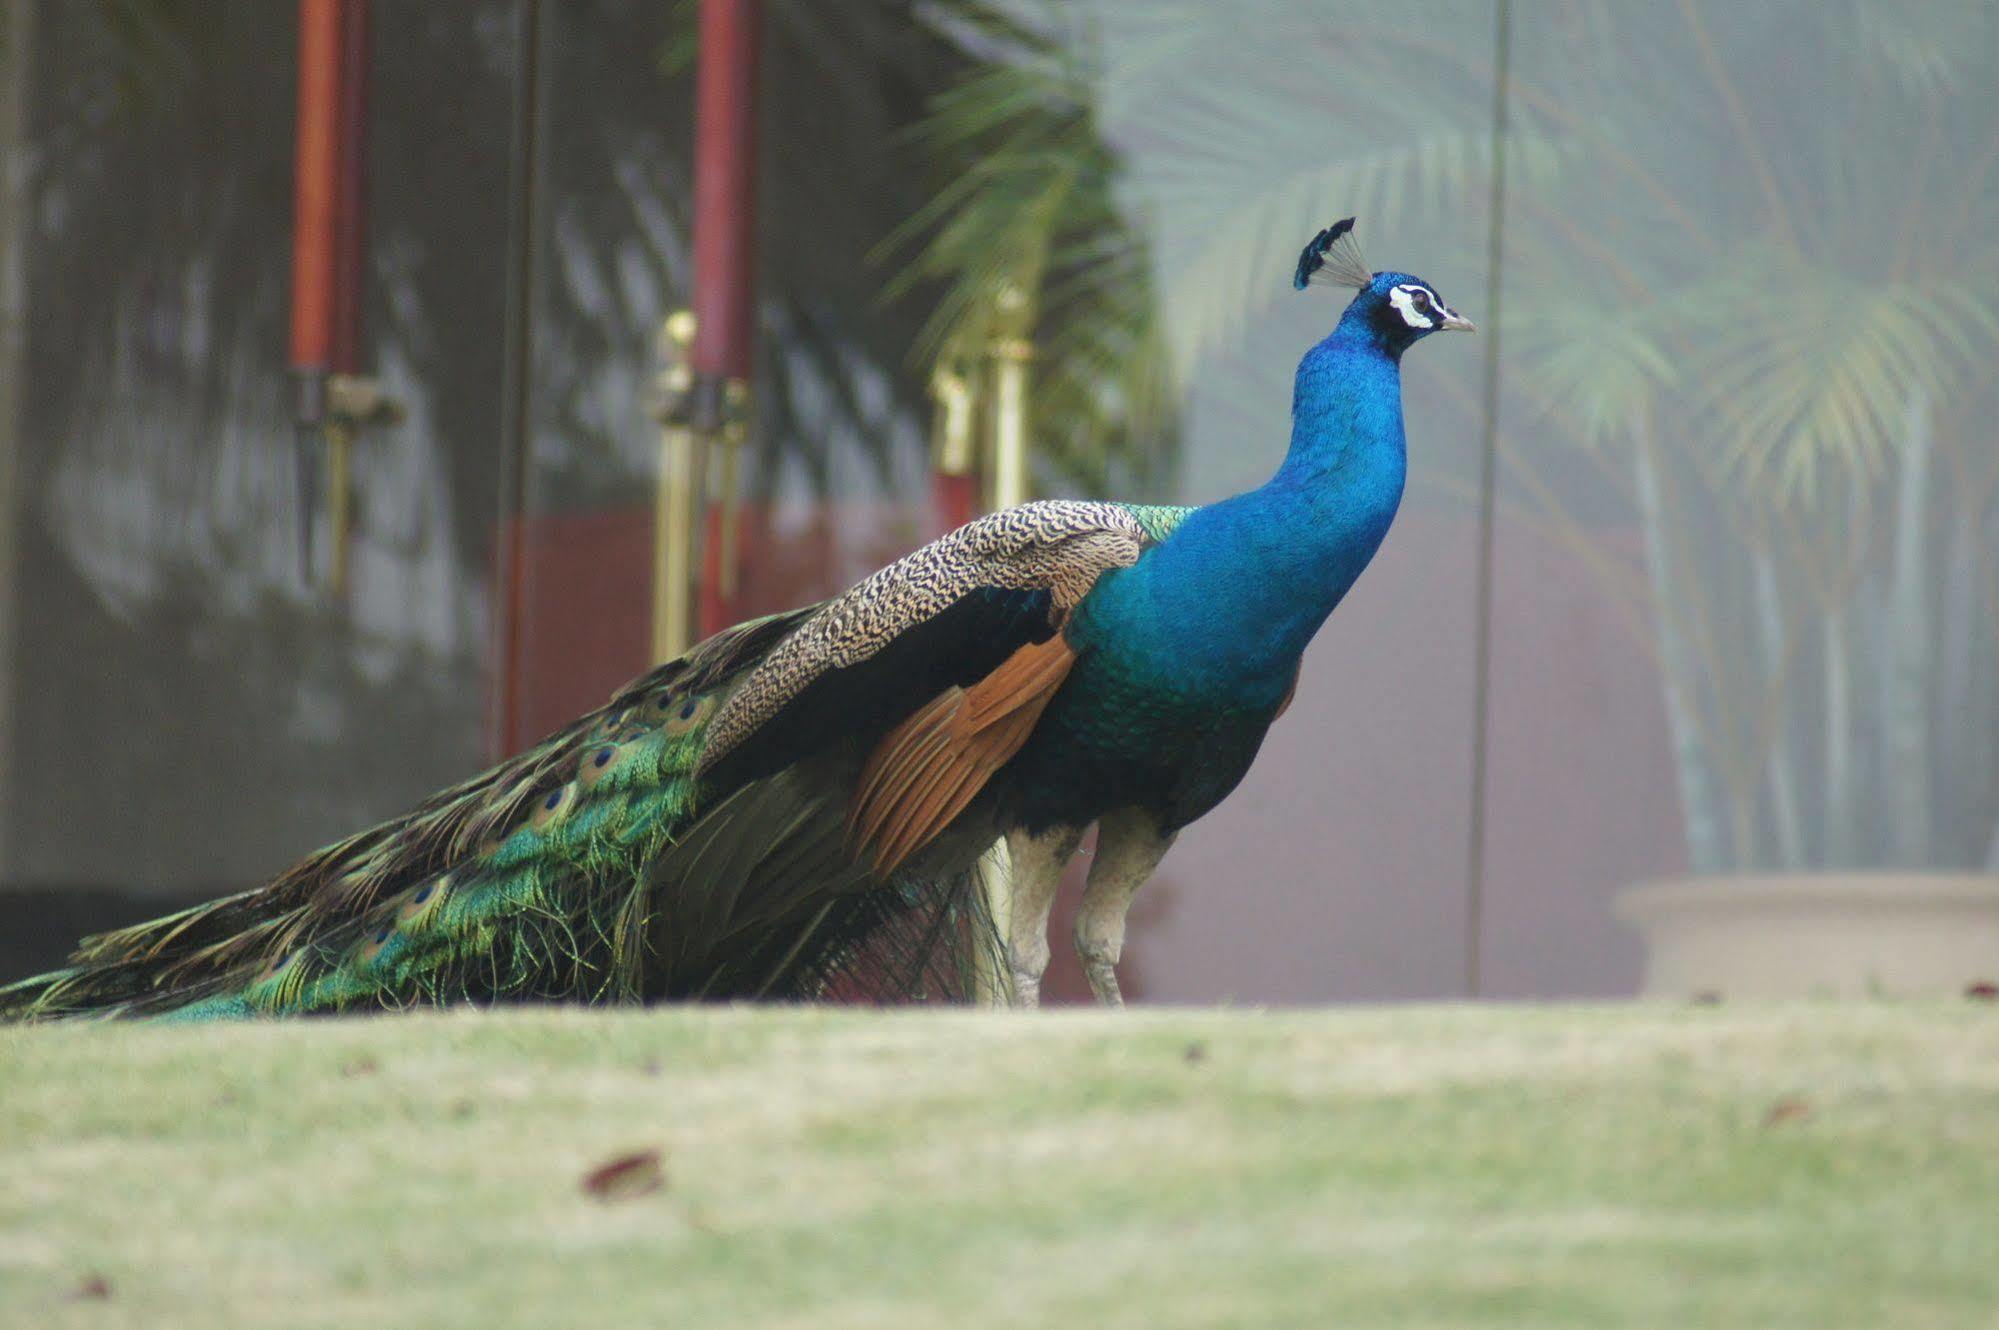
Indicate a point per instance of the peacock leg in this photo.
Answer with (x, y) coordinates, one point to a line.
(1038, 862)
(1129, 846)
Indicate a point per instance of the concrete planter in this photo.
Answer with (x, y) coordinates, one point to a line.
(1816, 934)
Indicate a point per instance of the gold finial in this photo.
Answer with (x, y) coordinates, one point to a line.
(954, 441)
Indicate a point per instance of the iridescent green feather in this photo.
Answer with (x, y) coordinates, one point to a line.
(525, 882)
(1159, 520)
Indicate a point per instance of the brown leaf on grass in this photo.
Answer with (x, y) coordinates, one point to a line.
(91, 1288)
(1982, 991)
(625, 1177)
(1197, 1052)
(361, 1066)
(1788, 1109)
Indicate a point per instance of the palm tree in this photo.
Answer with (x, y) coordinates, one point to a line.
(1024, 240)
(1792, 384)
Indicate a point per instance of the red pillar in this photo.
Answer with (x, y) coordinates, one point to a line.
(724, 302)
(315, 185)
(315, 224)
(954, 498)
(350, 209)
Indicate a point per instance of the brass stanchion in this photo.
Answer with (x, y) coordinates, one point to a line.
(954, 441)
(353, 402)
(735, 432)
(677, 496)
(1010, 353)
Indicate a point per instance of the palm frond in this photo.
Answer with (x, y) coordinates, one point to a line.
(1816, 370)
(1604, 373)
(1025, 236)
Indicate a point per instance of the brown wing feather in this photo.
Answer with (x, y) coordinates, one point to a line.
(929, 768)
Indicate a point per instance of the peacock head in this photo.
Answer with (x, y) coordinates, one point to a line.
(1390, 308)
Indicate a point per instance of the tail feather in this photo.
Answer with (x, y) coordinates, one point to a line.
(586, 869)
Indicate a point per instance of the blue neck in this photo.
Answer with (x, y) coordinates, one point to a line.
(1319, 520)
(1346, 409)
(1238, 591)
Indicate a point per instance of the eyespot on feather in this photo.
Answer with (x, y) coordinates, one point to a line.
(371, 945)
(276, 966)
(685, 715)
(553, 806)
(278, 982)
(423, 899)
(598, 763)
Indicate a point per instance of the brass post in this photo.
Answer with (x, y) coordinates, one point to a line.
(676, 538)
(353, 402)
(677, 496)
(735, 432)
(1011, 353)
(954, 441)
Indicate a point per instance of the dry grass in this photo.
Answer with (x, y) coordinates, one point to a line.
(1776, 1167)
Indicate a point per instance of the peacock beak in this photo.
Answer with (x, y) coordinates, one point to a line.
(1456, 322)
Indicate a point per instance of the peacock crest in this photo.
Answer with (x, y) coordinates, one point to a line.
(1332, 258)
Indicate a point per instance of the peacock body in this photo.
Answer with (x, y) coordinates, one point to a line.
(797, 806)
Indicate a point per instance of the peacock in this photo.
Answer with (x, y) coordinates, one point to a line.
(798, 808)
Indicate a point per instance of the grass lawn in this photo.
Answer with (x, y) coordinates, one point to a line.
(1809, 1166)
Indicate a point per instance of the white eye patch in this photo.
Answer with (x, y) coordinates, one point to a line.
(1404, 299)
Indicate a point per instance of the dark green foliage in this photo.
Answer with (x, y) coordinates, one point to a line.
(1025, 236)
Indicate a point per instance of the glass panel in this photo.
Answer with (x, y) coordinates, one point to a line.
(1748, 558)
(835, 480)
(184, 714)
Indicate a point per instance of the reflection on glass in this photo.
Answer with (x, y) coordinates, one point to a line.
(1759, 299)
(174, 668)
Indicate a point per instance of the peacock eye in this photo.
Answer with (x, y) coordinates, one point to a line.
(1421, 301)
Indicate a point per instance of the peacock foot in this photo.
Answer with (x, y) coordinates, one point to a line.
(1101, 971)
(1129, 846)
(1026, 988)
